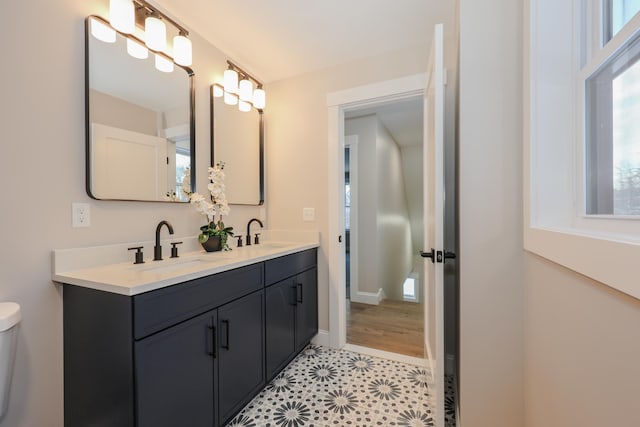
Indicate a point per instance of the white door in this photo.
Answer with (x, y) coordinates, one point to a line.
(434, 124)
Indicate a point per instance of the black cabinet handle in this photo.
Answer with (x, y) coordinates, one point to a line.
(212, 344)
(294, 301)
(299, 293)
(226, 327)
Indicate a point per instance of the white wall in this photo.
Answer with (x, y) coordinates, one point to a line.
(490, 185)
(394, 258)
(367, 199)
(383, 219)
(42, 169)
(412, 170)
(582, 350)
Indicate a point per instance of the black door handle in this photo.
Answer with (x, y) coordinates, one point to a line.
(449, 255)
(431, 255)
(226, 324)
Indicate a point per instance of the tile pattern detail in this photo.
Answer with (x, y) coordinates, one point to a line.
(326, 387)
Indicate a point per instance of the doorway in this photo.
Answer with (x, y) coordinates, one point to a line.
(384, 226)
(339, 105)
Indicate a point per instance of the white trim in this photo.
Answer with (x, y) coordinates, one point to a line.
(337, 103)
(351, 141)
(322, 338)
(386, 355)
(371, 298)
(387, 90)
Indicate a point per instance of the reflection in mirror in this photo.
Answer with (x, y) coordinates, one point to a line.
(140, 122)
(237, 139)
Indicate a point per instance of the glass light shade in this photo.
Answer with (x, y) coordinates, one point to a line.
(102, 32)
(244, 106)
(155, 33)
(259, 98)
(231, 81)
(230, 98)
(137, 50)
(163, 64)
(217, 91)
(122, 15)
(182, 50)
(245, 90)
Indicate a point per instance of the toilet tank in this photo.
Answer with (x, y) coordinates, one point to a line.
(9, 318)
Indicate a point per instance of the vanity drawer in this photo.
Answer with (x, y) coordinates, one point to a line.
(157, 310)
(289, 265)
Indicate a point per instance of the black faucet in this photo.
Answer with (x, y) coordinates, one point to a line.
(157, 249)
(249, 229)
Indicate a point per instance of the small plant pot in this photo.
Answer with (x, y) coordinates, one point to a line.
(213, 244)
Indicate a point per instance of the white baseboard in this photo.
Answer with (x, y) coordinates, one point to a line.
(371, 298)
(322, 338)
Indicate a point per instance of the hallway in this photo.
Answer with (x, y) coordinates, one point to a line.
(394, 326)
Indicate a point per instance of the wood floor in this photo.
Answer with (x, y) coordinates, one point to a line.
(395, 326)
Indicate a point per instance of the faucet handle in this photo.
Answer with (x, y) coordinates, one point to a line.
(139, 255)
(239, 237)
(174, 249)
(256, 240)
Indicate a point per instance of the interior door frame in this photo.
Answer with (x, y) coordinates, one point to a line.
(338, 103)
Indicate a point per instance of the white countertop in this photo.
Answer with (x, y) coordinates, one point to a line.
(110, 268)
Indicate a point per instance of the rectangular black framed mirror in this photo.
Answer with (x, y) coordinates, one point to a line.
(237, 139)
(140, 122)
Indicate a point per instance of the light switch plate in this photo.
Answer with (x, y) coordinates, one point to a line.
(308, 214)
(80, 215)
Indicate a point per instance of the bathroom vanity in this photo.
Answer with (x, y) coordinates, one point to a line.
(189, 353)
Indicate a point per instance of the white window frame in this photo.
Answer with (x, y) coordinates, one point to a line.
(558, 55)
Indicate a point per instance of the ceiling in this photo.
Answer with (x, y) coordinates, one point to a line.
(403, 119)
(278, 39)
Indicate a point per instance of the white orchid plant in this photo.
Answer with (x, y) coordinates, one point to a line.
(218, 206)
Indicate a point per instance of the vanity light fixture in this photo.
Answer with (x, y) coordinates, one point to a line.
(241, 93)
(230, 80)
(245, 89)
(155, 33)
(182, 49)
(124, 15)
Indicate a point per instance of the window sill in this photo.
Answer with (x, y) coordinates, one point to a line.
(608, 260)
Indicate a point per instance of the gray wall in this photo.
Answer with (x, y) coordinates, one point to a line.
(491, 255)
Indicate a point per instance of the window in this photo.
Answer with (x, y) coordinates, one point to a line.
(613, 135)
(617, 14)
(582, 142)
(612, 128)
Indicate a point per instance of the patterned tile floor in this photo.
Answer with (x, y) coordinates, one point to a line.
(325, 387)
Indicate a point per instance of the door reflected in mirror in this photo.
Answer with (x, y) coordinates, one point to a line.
(140, 122)
(237, 139)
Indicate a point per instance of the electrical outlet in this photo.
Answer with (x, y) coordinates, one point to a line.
(308, 214)
(80, 215)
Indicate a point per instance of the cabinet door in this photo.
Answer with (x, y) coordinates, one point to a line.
(281, 317)
(174, 375)
(307, 307)
(240, 353)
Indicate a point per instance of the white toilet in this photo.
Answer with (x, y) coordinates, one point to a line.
(9, 319)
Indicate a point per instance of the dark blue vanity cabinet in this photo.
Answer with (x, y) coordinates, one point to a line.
(189, 354)
(291, 307)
